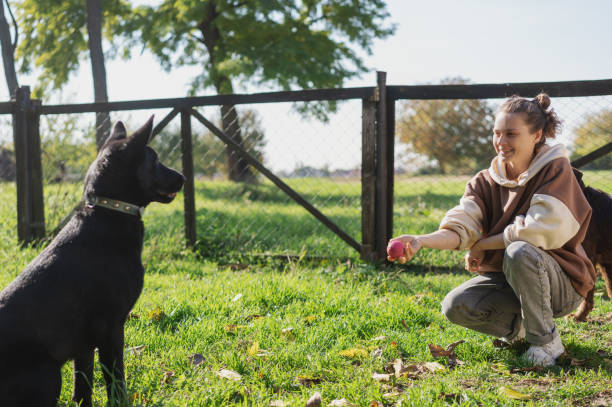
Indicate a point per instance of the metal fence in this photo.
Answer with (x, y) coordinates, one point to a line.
(390, 159)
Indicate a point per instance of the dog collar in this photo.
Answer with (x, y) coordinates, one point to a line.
(115, 205)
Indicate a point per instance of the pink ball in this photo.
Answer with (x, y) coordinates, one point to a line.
(395, 249)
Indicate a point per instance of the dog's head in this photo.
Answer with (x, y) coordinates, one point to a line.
(128, 170)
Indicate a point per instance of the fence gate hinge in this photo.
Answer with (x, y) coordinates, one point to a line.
(375, 95)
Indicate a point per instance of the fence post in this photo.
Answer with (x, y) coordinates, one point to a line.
(384, 170)
(26, 138)
(188, 188)
(368, 177)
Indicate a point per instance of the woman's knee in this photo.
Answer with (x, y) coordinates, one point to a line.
(519, 254)
(454, 308)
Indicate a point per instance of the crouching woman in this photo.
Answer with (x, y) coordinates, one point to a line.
(523, 221)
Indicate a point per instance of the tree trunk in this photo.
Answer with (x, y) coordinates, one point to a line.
(8, 53)
(94, 34)
(237, 167)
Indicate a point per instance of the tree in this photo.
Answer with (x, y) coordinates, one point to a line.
(289, 44)
(57, 35)
(454, 133)
(8, 48)
(594, 131)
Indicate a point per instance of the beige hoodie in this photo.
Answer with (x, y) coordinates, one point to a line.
(544, 206)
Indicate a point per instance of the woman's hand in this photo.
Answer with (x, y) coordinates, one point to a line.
(412, 245)
(473, 259)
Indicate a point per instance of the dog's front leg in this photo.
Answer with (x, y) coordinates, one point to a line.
(111, 357)
(83, 378)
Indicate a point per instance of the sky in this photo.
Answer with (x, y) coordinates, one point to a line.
(485, 41)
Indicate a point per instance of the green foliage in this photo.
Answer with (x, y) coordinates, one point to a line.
(595, 131)
(208, 150)
(289, 44)
(66, 151)
(55, 37)
(454, 133)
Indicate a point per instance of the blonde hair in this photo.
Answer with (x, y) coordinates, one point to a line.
(537, 114)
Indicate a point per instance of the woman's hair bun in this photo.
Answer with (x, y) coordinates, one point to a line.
(543, 100)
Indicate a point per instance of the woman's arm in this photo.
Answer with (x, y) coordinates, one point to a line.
(440, 239)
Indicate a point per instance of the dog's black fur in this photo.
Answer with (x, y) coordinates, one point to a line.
(76, 295)
(597, 242)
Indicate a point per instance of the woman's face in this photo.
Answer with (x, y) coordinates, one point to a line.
(513, 141)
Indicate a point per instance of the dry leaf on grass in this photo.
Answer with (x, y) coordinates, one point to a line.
(288, 334)
(231, 328)
(413, 370)
(381, 377)
(376, 353)
(229, 374)
(196, 359)
(513, 394)
(278, 403)
(339, 403)
(314, 400)
(136, 350)
(308, 381)
(354, 353)
(438, 352)
(156, 314)
(236, 297)
(254, 349)
(527, 369)
(167, 376)
(379, 338)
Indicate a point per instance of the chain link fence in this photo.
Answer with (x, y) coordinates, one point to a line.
(439, 145)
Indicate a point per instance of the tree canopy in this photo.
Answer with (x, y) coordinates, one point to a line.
(454, 133)
(288, 44)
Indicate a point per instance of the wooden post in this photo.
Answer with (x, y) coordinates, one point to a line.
(384, 170)
(390, 107)
(26, 138)
(188, 188)
(368, 178)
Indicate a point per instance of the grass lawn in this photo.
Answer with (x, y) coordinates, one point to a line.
(211, 328)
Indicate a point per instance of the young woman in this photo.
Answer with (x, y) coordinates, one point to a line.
(523, 221)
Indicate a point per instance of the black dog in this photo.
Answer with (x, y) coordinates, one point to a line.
(597, 242)
(76, 295)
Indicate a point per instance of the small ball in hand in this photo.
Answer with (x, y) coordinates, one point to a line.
(395, 249)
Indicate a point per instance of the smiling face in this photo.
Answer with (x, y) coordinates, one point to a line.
(514, 142)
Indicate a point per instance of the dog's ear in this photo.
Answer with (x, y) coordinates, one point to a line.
(119, 132)
(142, 136)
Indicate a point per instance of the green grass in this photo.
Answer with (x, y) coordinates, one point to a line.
(302, 314)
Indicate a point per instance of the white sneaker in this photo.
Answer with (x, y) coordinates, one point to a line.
(545, 355)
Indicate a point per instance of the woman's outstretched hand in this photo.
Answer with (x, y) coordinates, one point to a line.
(411, 245)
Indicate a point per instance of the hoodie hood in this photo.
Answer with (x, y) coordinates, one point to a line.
(546, 154)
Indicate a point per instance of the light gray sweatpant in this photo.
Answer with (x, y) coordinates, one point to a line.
(532, 290)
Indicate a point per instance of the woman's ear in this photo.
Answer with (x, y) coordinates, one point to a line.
(540, 136)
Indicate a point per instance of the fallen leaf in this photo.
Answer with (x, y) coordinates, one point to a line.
(237, 297)
(381, 377)
(375, 403)
(137, 350)
(434, 367)
(379, 338)
(354, 353)
(231, 328)
(156, 314)
(527, 369)
(339, 403)
(167, 376)
(308, 381)
(376, 353)
(254, 349)
(196, 359)
(438, 351)
(229, 374)
(452, 346)
(133, 315)
(404, 325)
(277, 403)
(499, 344)
(288, 334)
(397, 367)
(314, 400)
(513, 394)
(310, 319)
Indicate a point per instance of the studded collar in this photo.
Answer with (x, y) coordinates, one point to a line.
(115, 205)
